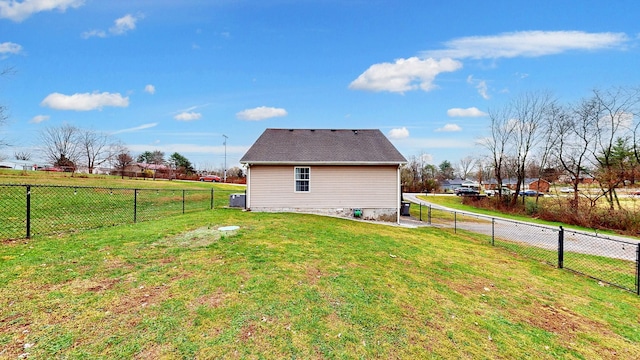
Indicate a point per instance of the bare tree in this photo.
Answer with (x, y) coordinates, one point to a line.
(483, 170)
(94, 147)
(614, 109)
(497, 143)
(548, 139)
(22, 155)
(59, 145)
(576, 137)
(465, 167)
(528, 114)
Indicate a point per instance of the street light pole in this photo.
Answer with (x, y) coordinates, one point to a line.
(225, 156)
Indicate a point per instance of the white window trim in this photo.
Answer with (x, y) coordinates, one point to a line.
(295, 180)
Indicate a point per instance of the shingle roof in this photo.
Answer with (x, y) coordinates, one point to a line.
(280, 146)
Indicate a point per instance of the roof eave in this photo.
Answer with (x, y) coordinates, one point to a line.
(341, 163)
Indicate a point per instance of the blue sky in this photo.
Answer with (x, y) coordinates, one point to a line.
(175, 75)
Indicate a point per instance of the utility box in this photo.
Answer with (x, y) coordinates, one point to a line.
(237, 200)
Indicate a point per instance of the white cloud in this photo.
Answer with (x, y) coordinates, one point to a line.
(483, 89)
(39, 118)
(134, 129)
(449, 128)
(260, 113)
(18, 11)
(399, 133)
(481, 85)
(85, 101)
(426, 158)
(468, 112)
(94, 33)
(404, 75)
(123, 24)
(10, 48)
(150, 89)
(527, 44)
(188, 116)
(120, 27)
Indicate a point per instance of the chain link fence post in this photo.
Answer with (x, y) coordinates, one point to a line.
(28, 214)
(211, 206)
(429, 215)
(135, 205)
(638, 269)
(561, 248)
(493, 231)
(455, 222)
(420, 211)
(183, 201)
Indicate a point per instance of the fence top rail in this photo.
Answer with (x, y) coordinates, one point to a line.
(98, 187)
(602, 237)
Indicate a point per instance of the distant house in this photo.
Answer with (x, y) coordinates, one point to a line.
(139, 169)
(18, 164)
(335, 172)
(529, 184)
(451, 185)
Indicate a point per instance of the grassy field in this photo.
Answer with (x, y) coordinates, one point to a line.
(298, 286)
(68, 179)
(63, 203)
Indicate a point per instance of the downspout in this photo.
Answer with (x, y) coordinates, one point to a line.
(399, 197)
(247, 203)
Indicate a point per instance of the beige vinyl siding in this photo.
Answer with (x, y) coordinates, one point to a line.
(330, 187)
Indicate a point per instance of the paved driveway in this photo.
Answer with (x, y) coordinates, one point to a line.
(541, 236)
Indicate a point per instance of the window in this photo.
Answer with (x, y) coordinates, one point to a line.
(302, 179)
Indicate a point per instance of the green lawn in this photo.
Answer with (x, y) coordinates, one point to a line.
(298, 286)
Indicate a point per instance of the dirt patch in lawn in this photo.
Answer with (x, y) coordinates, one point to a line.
(210, 300)
(197, 238)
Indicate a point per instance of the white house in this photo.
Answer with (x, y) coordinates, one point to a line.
(337, 172)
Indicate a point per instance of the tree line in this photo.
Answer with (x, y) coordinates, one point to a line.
(71, 148)
(536, 136)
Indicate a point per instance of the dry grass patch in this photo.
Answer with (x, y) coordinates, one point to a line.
(200, 237)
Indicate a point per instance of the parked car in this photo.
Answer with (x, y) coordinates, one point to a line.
(493, 192)
(566, 190)
(531, 193)
(467, 192)
(212, 178)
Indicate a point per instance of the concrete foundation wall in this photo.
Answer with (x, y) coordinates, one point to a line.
(377, 214)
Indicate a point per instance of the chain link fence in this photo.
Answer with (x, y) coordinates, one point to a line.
(612, 261)
(31, 210)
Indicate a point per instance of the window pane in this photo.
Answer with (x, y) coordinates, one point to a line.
(302, 185)
(302, 173)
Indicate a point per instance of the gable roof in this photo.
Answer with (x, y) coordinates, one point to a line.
(322, 146)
